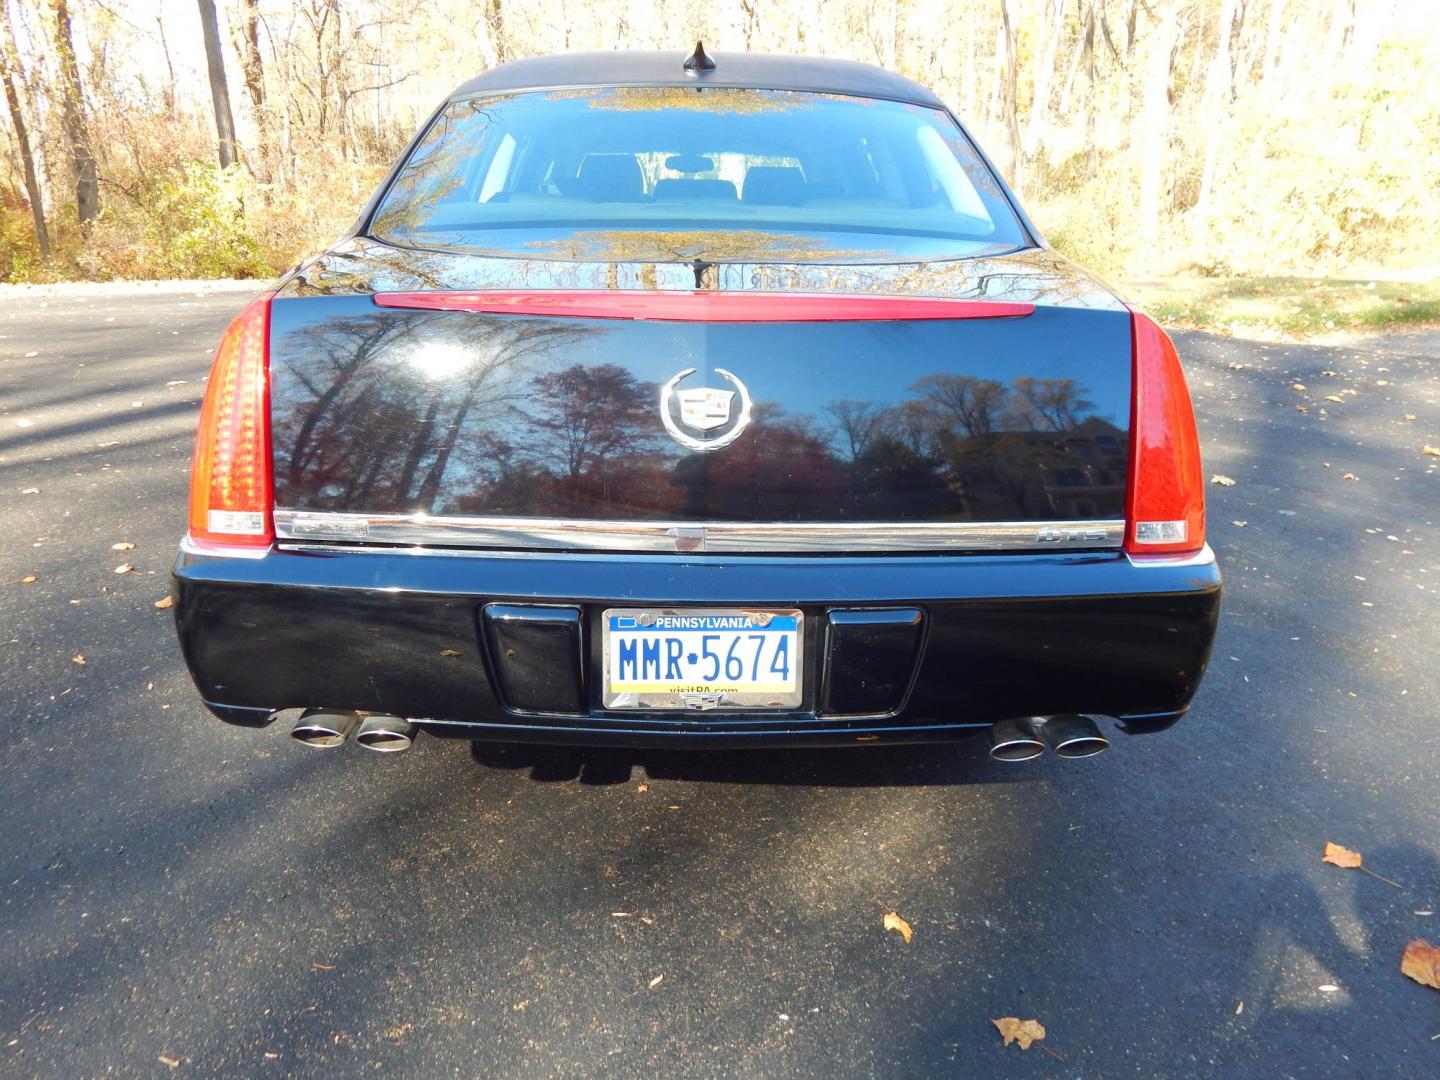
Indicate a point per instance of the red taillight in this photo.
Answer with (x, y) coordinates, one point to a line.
(231, 497)
(1166, 502)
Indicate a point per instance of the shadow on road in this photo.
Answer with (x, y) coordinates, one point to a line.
(964, 762)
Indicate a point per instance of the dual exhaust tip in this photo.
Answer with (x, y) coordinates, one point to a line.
(1024, 738)
(326, 729)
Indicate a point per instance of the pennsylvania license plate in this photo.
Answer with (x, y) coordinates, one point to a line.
(702, 658)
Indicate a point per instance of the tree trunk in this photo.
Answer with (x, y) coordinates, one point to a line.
(1044, 74)
(77, 131)
(254, 69)
(1092, 156)
(9, 61)
(1011, 93)
(219, 90)
(1155, 121)
(1217, 97)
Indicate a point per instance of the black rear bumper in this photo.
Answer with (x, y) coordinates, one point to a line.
(902, 648)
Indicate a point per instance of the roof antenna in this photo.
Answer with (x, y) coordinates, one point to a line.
(698, 61)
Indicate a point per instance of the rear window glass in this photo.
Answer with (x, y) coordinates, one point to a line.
(679, 172)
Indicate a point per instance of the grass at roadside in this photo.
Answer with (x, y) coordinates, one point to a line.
(1288, 306)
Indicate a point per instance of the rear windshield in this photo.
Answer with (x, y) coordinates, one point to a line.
(658, 173)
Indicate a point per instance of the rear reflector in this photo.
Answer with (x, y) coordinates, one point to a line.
(1166, 499)
(231, 497)
(706, 306)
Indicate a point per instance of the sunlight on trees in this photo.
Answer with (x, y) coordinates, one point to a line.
(1197, 136)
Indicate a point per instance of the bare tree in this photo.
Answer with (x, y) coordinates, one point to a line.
(1010, 99)
(77, 130)
(248, 46)
(219, 89)
(9, 63)
(1155, 121)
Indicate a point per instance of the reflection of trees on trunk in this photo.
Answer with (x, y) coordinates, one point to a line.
(455, 413)
(369, 410)
(591, 414)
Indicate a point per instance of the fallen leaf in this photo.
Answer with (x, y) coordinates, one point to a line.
(642, 788)
(1328, 988)
(1421, 961)
(899, 925)
(1349, 476)
(1024, 1032)
(174, 1063)
(123, 545)
(1239, 1007)
(1298, 387)
(124, 568)
(656, 981)
(164, 603)
(1223, 481)
(28, 579)
(317, 966)
(449, 652)
(1239, 524)
(1430, 451)
(78, 658)
(1336, 855)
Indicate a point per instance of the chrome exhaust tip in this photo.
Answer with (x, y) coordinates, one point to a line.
(385, 734)
(1071, 735)
(1016, 739)
(324, 728)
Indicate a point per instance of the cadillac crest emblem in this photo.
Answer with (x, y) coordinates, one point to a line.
(704, 409)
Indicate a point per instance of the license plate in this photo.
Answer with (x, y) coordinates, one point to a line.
(702, 658)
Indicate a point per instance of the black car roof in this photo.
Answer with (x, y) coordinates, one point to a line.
(735, 70)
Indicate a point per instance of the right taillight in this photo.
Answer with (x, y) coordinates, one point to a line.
(231, 498)
(1165, 506)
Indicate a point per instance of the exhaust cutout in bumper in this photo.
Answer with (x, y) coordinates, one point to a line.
(385, 734)
(1017, 739)
(324, 729)
(1071, 735)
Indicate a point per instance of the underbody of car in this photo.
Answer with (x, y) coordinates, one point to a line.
(761, 417)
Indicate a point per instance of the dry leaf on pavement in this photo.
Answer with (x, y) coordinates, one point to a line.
(166, 602)
(1430, 451)
(123, 545)
(1222, 480)
(449, 652)
(1421, 961)
(1024, 1032)
(656, 981)
(124, 568)
(1336, 855)
(78, 658)
(899, 925)
(165, 1059)
(28, 579)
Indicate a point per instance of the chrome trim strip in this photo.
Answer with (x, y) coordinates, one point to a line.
(554, 534)
(1204, 557)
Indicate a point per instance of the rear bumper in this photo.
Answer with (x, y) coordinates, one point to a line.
(900, 649)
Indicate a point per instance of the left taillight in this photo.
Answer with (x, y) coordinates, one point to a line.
(1166, 500)
(231, 491)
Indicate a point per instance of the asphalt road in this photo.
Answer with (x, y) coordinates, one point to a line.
(173, 890)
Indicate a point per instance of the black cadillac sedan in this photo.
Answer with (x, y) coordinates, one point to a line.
(662, 398)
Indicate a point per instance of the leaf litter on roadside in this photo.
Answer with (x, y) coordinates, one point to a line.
(893, 921)
(123, 545)
(1421, 961)
(1346, 859)
(1025, 1032)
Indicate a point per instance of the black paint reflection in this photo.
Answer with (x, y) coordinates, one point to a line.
(387, 411)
